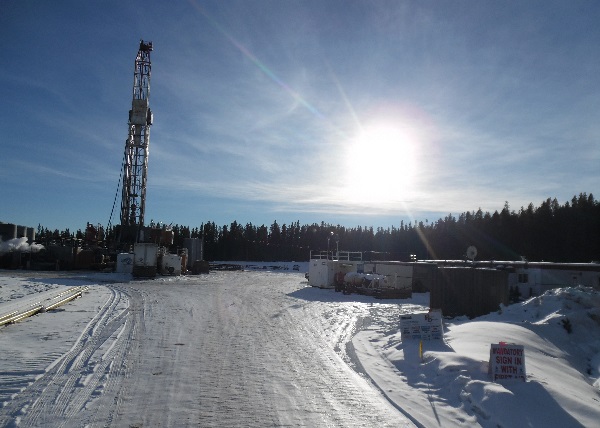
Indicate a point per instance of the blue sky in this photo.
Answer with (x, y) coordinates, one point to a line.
(348, 112)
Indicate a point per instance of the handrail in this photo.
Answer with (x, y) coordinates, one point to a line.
(355, 256)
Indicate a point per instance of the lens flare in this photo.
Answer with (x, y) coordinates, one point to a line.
(381, 165)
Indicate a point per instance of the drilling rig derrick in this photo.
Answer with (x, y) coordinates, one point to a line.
(135, 164)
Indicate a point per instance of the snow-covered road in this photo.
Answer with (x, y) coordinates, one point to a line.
(263, 349)
(221, 350)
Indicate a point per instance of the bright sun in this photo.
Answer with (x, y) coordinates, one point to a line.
(381, 165)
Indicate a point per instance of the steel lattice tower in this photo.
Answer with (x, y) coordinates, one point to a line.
(135, 163)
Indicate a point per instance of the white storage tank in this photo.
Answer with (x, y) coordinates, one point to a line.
(124, 263)
(170, 264)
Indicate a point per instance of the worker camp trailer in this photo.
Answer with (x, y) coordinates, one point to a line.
(534, 279)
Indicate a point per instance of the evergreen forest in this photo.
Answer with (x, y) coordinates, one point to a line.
(549, 232)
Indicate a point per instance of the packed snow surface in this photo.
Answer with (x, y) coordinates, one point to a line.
(261, 348)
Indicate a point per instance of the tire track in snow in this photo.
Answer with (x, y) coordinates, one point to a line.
(102, 409)
(70, 382)
(252, 356)
(226, 349)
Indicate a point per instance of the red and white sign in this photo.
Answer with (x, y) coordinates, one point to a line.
(507, 362)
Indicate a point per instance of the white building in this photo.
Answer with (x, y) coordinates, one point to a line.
(533, 279)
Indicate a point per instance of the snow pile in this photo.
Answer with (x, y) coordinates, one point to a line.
(450, 384)
(19, 244)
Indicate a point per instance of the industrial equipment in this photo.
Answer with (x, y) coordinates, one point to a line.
(150, 243)
(135, 160)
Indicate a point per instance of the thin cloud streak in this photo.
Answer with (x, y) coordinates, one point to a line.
(258, 104)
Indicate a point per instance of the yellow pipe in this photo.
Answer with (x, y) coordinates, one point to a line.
(63, 301)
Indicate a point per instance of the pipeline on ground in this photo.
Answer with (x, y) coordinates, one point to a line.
(52, 303)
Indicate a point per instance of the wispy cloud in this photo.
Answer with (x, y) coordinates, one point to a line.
(257, 105)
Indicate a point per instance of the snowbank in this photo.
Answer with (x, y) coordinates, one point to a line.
(450, 385)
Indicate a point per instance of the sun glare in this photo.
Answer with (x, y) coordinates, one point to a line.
(380, 165)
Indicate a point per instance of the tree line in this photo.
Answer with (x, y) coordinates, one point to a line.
(549, 232)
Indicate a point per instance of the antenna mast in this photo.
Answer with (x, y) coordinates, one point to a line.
(135, 165)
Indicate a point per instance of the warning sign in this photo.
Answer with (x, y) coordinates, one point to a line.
(423, 326)
(507, 362)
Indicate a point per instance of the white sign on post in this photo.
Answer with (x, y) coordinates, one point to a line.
(424, 326)
(507, 362)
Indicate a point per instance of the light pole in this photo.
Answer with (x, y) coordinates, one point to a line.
(328, 238)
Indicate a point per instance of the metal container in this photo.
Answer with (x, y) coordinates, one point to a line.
(21, 231)
(144, 262)
(8, 231)
(124, 263)
(170, 264)
(195, 250)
